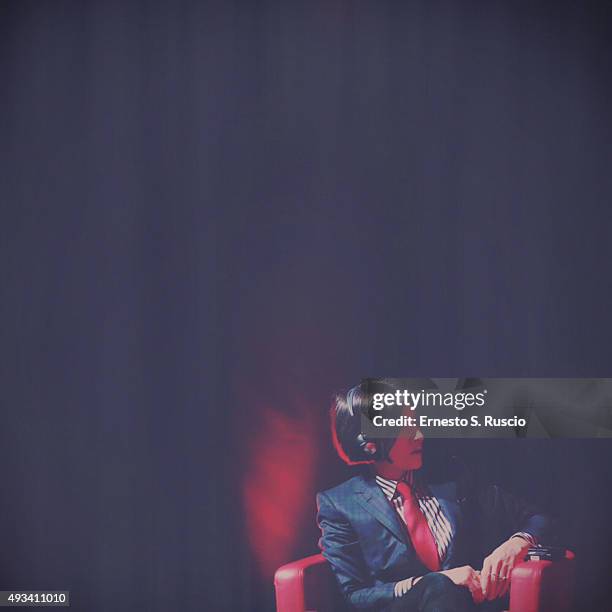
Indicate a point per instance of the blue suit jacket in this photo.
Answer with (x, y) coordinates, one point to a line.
(368, 545)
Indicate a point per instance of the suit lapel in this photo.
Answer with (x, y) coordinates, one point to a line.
(373, 500)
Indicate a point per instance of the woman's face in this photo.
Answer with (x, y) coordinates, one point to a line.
(407, 451)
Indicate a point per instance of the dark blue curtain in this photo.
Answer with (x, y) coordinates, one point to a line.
(214, 209)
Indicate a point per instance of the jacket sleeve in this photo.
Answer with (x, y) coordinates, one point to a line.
(520, 515)
(340, 546)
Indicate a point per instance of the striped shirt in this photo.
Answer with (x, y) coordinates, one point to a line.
(439, 524)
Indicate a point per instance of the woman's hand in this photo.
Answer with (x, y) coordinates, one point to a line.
(497, 567)
(466, 576)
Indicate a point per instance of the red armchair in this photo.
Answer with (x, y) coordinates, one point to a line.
(308, 585)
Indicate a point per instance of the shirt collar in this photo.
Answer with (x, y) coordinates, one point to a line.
(389, 486)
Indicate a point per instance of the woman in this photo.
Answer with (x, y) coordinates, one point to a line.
(396, 542)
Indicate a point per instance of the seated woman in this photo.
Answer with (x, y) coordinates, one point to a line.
(395, 542)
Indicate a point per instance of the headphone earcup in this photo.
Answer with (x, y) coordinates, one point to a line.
(369, 448)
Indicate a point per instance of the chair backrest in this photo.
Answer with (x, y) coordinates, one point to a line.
(307, 585)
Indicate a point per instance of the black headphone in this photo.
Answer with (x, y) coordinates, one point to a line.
(368, 447)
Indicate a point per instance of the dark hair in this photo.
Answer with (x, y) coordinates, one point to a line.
(346, 412)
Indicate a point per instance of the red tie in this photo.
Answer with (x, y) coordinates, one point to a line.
(418, 528)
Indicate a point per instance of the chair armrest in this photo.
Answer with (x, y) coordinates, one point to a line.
(539, 586)
(303, 585)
